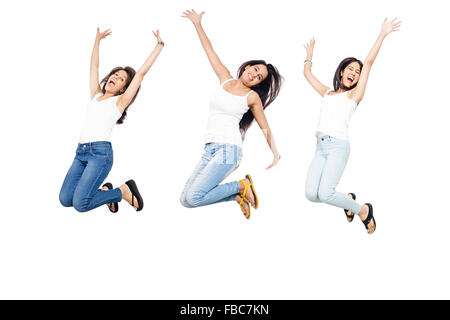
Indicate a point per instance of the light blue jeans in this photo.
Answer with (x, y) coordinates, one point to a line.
(325, 172)
(202, 188)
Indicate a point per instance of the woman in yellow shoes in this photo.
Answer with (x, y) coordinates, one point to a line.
(233, 107)
(248, 197)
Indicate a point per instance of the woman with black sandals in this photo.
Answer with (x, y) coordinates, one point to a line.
(333, 148)
(110, 100)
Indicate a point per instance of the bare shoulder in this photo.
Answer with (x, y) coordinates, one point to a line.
(96, 92)
(354, 95)
(325, 91)
(253, 99)
(227, 79)
(225, 75)
(353, 92)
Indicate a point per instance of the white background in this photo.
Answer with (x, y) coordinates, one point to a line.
(291, 248)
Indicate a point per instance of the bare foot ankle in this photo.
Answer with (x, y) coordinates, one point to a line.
(350, 213)
(245, 208)
(128, 196)
(363, 215)
(249, 195)
(110, 205)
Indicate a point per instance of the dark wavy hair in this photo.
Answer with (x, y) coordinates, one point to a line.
(130, 75)
(267, 90)
(337, 81)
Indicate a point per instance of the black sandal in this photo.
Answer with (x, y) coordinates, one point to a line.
(135, 194)
(369, 218)
(115, 204)
(350, 216)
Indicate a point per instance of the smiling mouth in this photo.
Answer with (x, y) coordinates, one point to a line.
(350, 79)
(111, 83)
(250, 77)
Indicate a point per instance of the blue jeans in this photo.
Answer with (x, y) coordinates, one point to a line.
(202, 188)
(89, 169)
(325, 172)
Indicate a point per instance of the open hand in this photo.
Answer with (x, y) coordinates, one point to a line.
(157, 35)
(310, 48)
(102, 35)
(391, 26)
(193, 16)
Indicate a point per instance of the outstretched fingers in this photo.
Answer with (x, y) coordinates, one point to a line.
(396, 26)
(104, 34)
(391, 26)
(188, 13)
(309, 46)
(157, 35)
(193, 15)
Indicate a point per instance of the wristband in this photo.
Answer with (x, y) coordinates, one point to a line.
(161, 43)
(307, 61)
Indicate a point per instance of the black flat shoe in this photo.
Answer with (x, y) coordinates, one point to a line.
(369, 218)
(113, 207)
(135, 194)
(350, 216)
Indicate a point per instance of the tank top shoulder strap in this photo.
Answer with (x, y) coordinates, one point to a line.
(96, 96)
(226, 81)
(248, 93)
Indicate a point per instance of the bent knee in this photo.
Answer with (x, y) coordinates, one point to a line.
(326, 195)
(65, 200)
(311, 196)
(81, 205)
(81, 208)
(194, 199)
(184, 202)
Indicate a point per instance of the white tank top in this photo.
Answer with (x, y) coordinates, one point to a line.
(225, 112)
(335, 114)
(101, 116)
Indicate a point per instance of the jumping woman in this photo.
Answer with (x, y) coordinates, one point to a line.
(333, 148)
(110, 100)
(233, 107)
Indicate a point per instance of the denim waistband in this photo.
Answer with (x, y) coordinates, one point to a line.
(330, 138)
(95, 144)
(325, 138)
(219, 144)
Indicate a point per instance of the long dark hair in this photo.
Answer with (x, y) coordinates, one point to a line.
(267, 90)
(338, 77)
(130, 75)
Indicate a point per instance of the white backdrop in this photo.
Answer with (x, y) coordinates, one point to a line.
(291, 248)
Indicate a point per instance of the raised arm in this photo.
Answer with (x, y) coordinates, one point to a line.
(220, 70)
(313, 81)
(257, 109)
(386, 28)
(95, 61)
(124, 100)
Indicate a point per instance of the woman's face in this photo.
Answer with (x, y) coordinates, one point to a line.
(116, 82)
(350, 75)
(254, 75)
